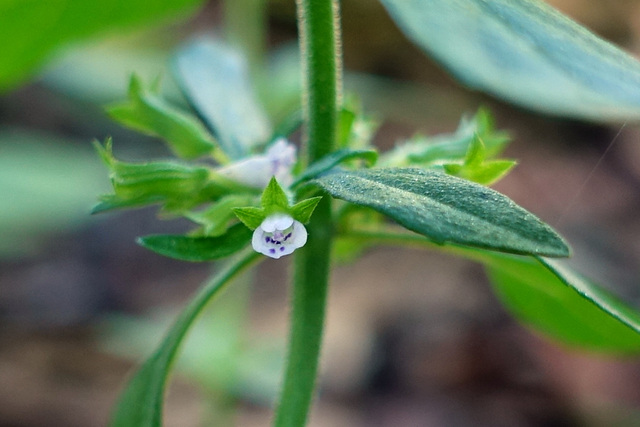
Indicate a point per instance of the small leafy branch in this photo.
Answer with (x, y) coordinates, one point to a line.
(244, 185)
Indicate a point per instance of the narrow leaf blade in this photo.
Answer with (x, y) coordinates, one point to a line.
(196, 249)
(446, 209)
(334, 159)
(525, 52)
(551, 298)
(140, 405)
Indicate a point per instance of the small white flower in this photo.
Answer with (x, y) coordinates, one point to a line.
(256, 171)
(279, 235)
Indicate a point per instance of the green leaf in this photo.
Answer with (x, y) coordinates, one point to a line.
(354, 130)
(346, 120)
(215, 79)
(331, 160)
(110, 202)
(303, 210)
(250, 216)
(169, 182)
(198, 249)
(560, 303)
(543, 293)
(142, 401)
(447, 148)
(176, 186)
(32, 30)
(525, 52)
(274, 199)
(477, 168)
(446, 209)
(147, 112)
(486, 174)
(47, 186)
(215, 219)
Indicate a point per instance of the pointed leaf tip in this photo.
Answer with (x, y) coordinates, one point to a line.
(447, 209)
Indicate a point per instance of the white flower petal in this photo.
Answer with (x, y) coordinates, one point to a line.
(256, 171)
(299, 235)
(278, 235)
(276, 222)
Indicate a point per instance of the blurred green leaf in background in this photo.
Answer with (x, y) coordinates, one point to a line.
(527, 53)
(32, 30)
(46, 185)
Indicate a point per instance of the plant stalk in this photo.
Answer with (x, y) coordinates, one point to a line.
(319, 44)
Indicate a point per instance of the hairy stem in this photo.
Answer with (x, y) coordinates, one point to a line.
(319, 41)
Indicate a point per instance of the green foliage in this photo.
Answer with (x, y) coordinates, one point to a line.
(218, 354)
(174, 185)
(31, 31)
(543, 293)
(526, 52)
(446, 209)
(177, 187)
(354, 130)
(215, 218)
(250, 216)
(215, 79)
(563, 305)
(303, 210)
(331, 160)
(274, 199)
(198, 249)
(148, 113)
(475, 166)
(140, 405)
(46, 187)
(433, 152)
(521, 50)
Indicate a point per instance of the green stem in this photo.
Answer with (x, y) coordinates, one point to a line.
(322, 70)
(319, 46)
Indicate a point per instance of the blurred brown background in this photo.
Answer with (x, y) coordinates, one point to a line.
(413, 338)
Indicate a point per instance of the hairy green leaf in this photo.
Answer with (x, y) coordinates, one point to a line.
(198, 249)
(525, 52)
(141, 403)
(215, 79)
(446, 209)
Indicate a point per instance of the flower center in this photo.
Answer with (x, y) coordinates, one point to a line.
(278, 239)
